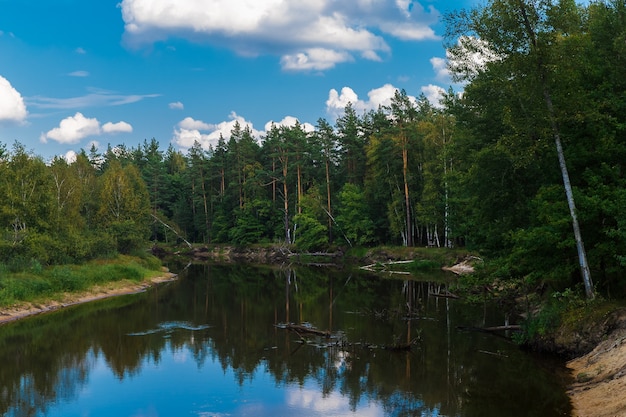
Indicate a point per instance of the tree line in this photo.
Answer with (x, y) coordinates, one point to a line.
(540, 125)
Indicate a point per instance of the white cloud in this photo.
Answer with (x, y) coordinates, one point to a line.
(311, 401)
(308, 35)
(70, 157)
(177, 105)
(12, 107)
(119, 127)
(191, 124)
(75, 128)
(314, 59)
(79, 74)
(96, 98)
(290, 121)
(469, 57)
(377, 97)
(440, 66)
(80, 51)
(190, 130)
(434, 94)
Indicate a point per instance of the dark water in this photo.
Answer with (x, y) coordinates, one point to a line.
(209, 345)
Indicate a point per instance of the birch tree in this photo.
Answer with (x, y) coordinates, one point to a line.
(514, 40)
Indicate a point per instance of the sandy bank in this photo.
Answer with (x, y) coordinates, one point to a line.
(600, 378)
(112, 289)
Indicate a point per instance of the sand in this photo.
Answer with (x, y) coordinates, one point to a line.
(600, 387)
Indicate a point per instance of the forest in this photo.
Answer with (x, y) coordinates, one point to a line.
(525, 167)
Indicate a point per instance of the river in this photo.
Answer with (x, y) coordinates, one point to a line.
(214, 344)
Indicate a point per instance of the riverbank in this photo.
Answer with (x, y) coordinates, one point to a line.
(97, 292)
(600, 375)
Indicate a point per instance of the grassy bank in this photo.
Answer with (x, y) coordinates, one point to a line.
(35, 283)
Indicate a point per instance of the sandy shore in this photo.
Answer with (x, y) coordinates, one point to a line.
(600, 387)
(112, 289)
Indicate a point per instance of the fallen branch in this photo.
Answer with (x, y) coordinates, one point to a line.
(494, 329)
(300, 329)
(486, 352)
(172, 229)
(446, 294)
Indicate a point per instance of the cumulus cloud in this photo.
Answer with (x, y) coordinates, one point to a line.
(12, 107)
(308, 35)
(434, 94)
(119, 127)
(290, 121)
(75, 128)
(70, 157)
(177, 105)
(190, 130)
(376, 98)
(192, 124)
(440, 66)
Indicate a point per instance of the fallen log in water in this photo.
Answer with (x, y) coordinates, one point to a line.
(446, 294)
(300, 329)
(493, 329)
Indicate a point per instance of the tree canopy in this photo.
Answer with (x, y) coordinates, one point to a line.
(540, 124)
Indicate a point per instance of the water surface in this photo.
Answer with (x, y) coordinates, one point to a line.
(213, 343)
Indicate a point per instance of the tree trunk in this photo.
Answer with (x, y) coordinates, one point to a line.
(582, 256)
(286, 202)
(407, 201)
(330, 224)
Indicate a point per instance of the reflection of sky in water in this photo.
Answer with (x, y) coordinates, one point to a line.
(178, 386)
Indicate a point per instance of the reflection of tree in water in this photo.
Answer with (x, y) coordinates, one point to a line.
(242, 306)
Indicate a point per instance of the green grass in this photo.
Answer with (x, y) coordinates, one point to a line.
(36, 283)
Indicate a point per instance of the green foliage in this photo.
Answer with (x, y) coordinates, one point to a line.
(480, 172)
(33, 281)
(247, 229)
(311, 235)
(352, 216)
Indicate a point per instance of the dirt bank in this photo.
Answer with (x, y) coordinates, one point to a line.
(600, 375)
(600, 386)
(112, 289)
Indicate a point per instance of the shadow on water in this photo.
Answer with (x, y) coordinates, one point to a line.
(381, 346)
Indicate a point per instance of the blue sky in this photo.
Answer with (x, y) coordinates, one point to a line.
(73, 73)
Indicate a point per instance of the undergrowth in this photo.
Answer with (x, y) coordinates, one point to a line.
(34, 282)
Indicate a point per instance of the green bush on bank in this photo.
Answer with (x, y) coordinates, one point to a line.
(34, 282)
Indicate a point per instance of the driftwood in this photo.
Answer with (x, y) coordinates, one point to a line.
(446, 294)
(486, 352)
(493, 329)
(300, 330)
(382, 267)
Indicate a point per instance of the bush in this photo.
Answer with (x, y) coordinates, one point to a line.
(33, 281)
(65, 279)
